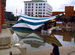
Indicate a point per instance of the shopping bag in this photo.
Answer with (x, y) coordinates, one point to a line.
(51, 53)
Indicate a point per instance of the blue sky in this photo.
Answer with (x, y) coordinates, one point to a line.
(57, 5)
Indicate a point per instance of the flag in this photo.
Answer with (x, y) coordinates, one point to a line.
(21, 11)
(16, 11)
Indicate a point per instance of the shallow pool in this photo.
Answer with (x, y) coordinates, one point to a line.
(38, 40)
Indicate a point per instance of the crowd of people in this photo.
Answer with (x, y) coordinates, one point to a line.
(47, 26)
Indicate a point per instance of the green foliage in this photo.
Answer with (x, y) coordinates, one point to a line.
(9, 16)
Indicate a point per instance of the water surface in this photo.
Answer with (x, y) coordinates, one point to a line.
(37, 40)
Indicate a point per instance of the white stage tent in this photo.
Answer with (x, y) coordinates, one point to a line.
(32, 23)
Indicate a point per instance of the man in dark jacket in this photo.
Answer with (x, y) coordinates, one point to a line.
(55, 49)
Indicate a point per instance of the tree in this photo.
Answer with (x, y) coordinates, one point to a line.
(9, 16)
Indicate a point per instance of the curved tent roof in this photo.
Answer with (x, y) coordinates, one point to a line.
(33, 22)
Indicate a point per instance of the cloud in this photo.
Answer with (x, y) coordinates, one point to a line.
(58, 5)
(72, 3)
(12, 5)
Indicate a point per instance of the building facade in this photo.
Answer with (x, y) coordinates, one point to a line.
(2, 6)
(69, 13)
(36, 8)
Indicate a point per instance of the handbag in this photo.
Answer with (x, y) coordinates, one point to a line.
(51, 53)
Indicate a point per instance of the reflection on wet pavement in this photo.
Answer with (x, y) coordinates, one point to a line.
(37, 40)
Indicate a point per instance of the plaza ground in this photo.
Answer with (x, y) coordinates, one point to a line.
(68, 50)
(64, 50)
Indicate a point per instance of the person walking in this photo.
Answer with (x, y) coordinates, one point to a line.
(10, 52)
(55, 49)
(45, 27)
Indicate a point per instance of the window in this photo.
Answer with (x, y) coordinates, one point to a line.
(36, 15)
(25, 9)
(32, 6)
(32, 9)
(36, 4)
(32, 13)
(25, 4)
(36, 12)
(25, 12)
(43, 16)
(32, 3)
(39, 12)
(44, 7)
(28, 13)
(40, 9)
(40, 4)
(28, 9)
(44, 4)
(29, 4)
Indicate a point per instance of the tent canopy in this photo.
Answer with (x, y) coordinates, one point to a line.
(34, 22)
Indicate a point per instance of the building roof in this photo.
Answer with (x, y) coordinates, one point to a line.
(57, 12)
(34, 1)
(39, 0)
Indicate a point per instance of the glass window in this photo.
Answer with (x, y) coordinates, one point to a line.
(32, 3)
(25, 12)
(44, 7)
(40, 4)
(40, 9)
(32, 6)
(43, 16)
(28, 9)
(44, 4)
(28, 12)
(39, 12)
(32, 13)
(32, 9)
(36, 4)
(29, 4)
(36, 15)
(36, 12)
(28, 15)
(25, 9)
(26, 4)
